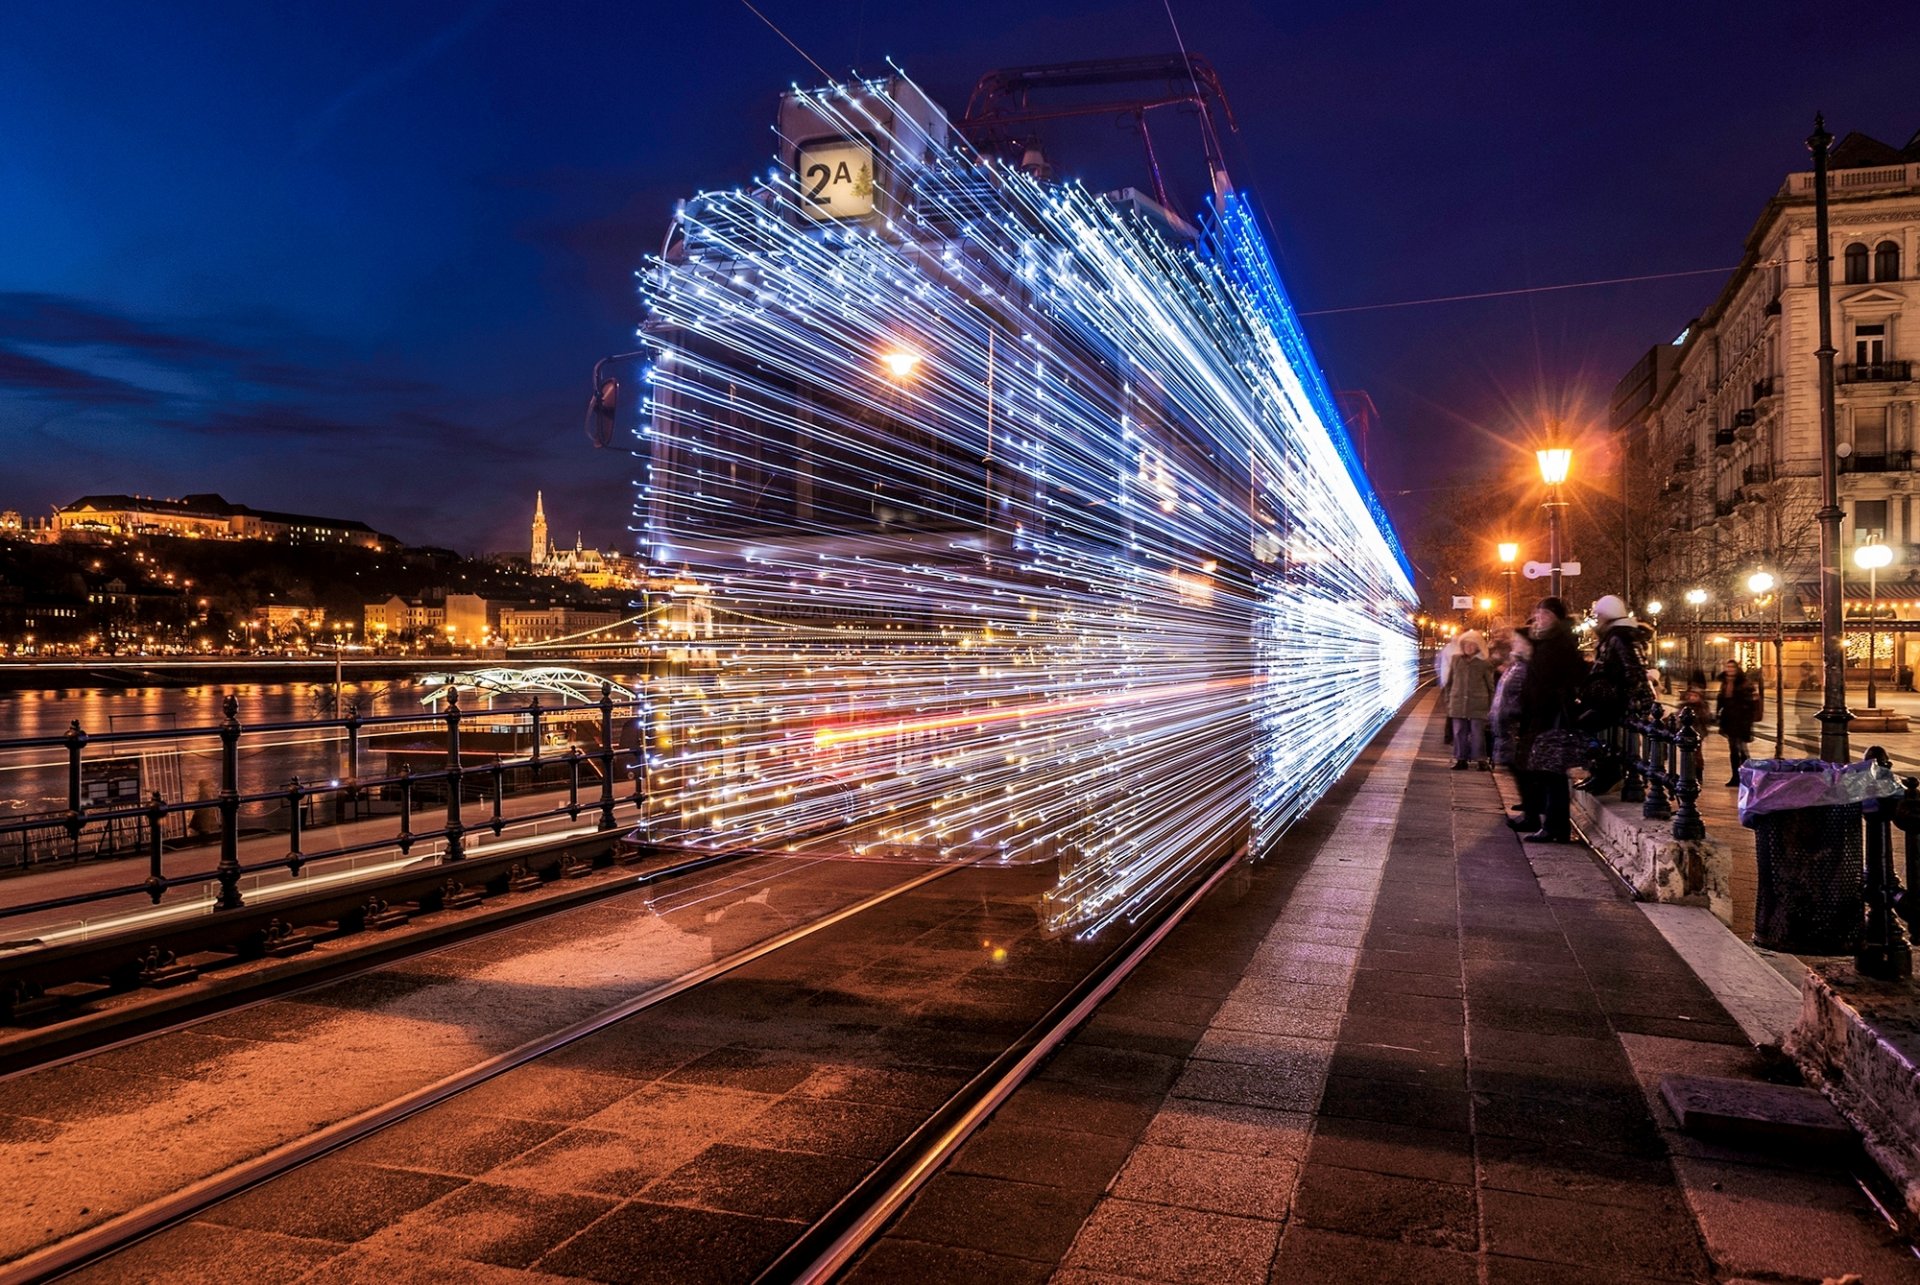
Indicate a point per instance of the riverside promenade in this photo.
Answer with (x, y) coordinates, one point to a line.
(1407, 1047)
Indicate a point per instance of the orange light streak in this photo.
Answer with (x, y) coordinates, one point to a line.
(830, 736)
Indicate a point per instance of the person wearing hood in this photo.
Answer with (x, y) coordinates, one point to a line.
(1469, 698)
(1617, 687)
(1547, 698)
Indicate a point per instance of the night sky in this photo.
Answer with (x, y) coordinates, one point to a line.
(360, 259)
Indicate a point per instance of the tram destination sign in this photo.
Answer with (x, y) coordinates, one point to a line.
(835, 178)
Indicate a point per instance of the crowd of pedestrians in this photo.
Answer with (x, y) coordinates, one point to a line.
(1529, 701)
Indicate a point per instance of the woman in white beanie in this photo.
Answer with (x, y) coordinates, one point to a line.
(1617, 686)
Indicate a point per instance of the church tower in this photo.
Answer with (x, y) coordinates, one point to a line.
(539, 532)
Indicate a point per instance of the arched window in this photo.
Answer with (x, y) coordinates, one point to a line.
(1886, 262)
(1856, 264)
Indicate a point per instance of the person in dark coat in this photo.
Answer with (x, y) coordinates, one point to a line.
(1735, 707)
(1547, 701)
(1617, 687)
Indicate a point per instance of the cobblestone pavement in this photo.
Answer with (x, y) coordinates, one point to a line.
(1413, 1049)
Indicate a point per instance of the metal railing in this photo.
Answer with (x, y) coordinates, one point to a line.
(407, 789)
(1876, 372)
(1660, 756)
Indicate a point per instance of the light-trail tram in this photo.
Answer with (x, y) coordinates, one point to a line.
(1002, 518)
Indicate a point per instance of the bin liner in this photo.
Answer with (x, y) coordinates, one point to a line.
(1805, 815)
(1783, 785)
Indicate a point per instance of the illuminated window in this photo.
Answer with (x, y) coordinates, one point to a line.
(1886, 262)
(1856, 261)
(1869, 520)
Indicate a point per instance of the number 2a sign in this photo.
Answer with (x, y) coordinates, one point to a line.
(836, 179)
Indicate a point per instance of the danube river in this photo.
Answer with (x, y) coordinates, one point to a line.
(35, 780)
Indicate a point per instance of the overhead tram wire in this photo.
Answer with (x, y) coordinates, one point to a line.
(789, 39)
(1523, 290)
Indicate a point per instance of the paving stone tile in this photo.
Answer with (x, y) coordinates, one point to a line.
(1296, 1088)
(1601, 1237)
(1395, 1103)
(332, 1199)
(201, 1253)
(1623, 1126)
(647, 1244)
(834, 1128)
(1313, 1254)
(1438, 1155)
(1535, 1048)
(1119, 1070)
(538, 1091)
(915, 1087)
(1551, 1168)
(1502, 1270)
(1019, 1219)
(753, 1180)
(1533, 1019)
(897, 1259)
(1763, 1220)
(485, 1223)
(1047, 1157)
(1166, 1243)
(454, 1143)
(1430, 1010)
(1415, 1211)
(594, 1161)
(1313, 1024)
(1056, 1105)
(363, 1263)
(1248, 1186)
(1373, 980)
(1230, 1127)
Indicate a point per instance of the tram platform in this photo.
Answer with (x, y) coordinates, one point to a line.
(1410, 1048)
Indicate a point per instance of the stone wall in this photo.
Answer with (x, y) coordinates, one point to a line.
(1649, 860)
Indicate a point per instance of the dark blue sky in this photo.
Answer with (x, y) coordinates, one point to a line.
(359, 259)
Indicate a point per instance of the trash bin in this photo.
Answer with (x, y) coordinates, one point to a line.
(1805, 818)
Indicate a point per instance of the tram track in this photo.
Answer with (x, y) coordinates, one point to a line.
(822, 1246)
(105, 1239)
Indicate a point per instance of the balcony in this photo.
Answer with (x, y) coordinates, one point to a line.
(1723, 508)
(1762, 389)
(1687, 462)
(1723, 440)
(1743, 429)
(1877, 372)
(1757, 475)
(1891, 462)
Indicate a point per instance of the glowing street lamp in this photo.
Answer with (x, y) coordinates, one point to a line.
(1760, 584)
(1555, 463)
(900, 362)
(1873, 557)
(1509, 551)
(1696, 598)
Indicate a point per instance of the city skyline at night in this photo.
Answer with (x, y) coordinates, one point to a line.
(419, 234)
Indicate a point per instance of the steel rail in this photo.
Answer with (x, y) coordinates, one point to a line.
(830, 1244)
(110, 1237)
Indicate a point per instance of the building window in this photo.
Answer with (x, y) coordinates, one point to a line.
(1870, 343)
(1869, 521)
(1886, 262)
(1856, 261)
(1870, 433)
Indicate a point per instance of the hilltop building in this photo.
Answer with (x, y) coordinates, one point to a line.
(207, 517)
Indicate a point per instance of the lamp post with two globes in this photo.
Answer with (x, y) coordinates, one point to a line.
(1696, 598)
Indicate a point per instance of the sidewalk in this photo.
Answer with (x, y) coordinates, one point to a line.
(1411, 1049)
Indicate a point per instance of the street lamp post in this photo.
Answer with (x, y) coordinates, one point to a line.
(1759, 584)
(1873, 557)
(1508, 553)
(1833, 705)
(1554, 461)
(1654, 609)
(1696, 598)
